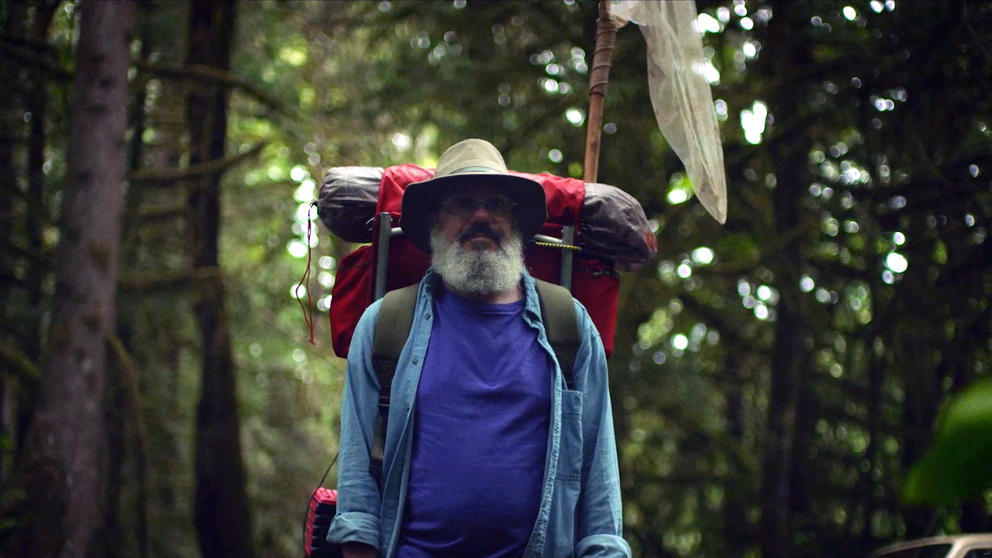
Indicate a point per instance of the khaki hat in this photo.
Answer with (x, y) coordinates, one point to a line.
(468, 162)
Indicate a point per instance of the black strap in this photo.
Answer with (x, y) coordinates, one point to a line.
(561, 325)
(392, 328)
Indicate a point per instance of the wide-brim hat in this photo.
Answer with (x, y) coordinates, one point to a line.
(470, 162)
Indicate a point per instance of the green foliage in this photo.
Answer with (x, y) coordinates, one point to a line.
(957, 468)
(807, 344)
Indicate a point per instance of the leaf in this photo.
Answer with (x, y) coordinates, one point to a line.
(958, 465)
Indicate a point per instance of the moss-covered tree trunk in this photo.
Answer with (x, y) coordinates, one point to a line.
(62, 470)
(221, 500)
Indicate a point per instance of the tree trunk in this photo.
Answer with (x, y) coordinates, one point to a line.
(125, 414)
(788, 151)
(116, 435)
(870, 482)
(63, 464)
(915, 358)
(10, 122)
(221, 501)
(804, 419)
(736, 502)
(785, 373)
(36, 214)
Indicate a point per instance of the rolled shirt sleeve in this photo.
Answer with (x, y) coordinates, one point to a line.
(599, 520)
(359, 498)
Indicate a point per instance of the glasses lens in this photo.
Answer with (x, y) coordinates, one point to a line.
(498, 205)
(463, 206)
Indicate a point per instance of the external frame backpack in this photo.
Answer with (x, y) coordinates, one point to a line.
(361, 275)
(575, 227)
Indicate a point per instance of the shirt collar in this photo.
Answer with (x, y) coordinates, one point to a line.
(532, 304)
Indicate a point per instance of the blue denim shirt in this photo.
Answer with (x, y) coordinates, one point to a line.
(579, 514)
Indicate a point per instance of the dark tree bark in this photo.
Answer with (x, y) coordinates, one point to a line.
(804, 419)
(126, 434)
(871, 483)
(786, 369)
(913, 344)
(13, 21)
(116, 450)
(788, 149)
(735, 524)
(36, 214)
(221, 501)
(23, 99)
(63, 466)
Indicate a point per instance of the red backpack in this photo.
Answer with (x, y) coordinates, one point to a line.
(594, 282)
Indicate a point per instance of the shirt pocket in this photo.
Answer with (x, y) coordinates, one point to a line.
(570, 456)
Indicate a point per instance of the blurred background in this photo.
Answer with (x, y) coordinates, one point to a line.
(777, 380)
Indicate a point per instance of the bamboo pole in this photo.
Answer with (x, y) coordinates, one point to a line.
(599, 77)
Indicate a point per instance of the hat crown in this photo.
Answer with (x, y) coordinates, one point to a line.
(470, 156)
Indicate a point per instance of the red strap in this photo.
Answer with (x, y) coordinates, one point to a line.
(305, 281)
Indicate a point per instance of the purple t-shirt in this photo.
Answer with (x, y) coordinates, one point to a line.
(480, 434)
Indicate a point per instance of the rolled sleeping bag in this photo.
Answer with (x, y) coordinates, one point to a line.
(612, 223)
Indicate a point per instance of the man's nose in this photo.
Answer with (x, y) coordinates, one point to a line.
(480, 213)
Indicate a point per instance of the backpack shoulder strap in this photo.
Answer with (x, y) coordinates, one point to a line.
(392, 327)
(561, 325)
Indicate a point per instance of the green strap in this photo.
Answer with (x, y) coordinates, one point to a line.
(392, 327)
(561, 325)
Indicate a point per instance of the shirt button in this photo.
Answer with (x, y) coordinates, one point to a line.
(427, 316)
(416, 360)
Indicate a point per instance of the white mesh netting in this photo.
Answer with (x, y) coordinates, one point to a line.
(680, 94)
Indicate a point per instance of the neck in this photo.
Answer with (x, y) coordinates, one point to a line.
(497, 297)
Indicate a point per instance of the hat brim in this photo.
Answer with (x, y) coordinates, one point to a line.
(421, 200)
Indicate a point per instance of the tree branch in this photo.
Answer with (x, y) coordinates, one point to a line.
(167, 176)
(160, 213)
(129, 375)
(12, 248)
(37, 60)
(770, 248)
(194, 72)
(199, 72)
(20, 364)
(169, 282)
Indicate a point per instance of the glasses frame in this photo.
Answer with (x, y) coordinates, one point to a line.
(464, 206)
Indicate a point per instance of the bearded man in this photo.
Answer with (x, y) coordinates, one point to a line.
(488, 451)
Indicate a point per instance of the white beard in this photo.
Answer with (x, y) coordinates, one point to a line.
(480, 272)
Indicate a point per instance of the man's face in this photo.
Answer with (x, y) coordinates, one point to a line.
(476, 249)
(478, 218)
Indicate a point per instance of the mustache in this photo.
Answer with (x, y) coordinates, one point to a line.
(481, 229)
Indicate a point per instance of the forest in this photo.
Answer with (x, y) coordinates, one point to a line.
(780, 382)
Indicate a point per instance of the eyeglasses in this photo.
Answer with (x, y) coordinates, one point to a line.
(464, 206)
